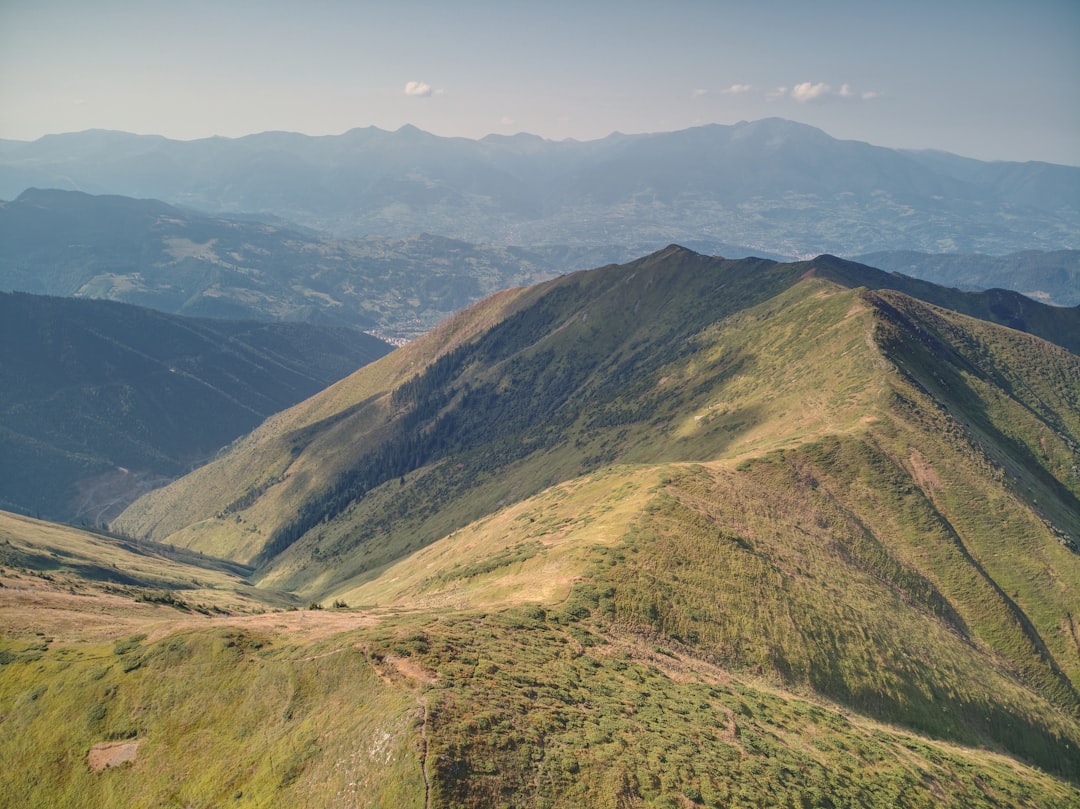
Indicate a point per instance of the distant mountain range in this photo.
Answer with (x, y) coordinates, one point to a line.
(180, 261)
(100, 400)
(775, 186)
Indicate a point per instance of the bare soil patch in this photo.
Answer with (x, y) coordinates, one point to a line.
(411, 670)
(112, 754)
(924, 474)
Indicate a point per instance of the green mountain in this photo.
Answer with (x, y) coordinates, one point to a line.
(100, 401)
(681, 532)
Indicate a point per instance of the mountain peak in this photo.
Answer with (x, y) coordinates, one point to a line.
(674, 251)
(410, 131)
(779, 128)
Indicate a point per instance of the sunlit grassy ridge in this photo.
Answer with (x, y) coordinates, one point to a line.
(533, 706)
(540, 709)
(685, 532)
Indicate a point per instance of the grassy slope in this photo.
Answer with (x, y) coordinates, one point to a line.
(590, 319)
(222, 716)
(229, 699)
(835, 565)
(587, 355)
(725, 398)
(979, 578)
(1057, 324)
(550, 698)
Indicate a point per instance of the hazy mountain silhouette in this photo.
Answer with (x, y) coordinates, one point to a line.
(773, 185)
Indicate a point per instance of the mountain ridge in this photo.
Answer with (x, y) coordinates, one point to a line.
(772, 185)
(533, 320)
(871, 421)
(1050, 277)
(682, 531)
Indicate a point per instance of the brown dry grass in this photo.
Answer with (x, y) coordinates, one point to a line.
(31, 606)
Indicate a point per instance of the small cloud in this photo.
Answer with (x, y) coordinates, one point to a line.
(737, 89)
(773, 95)
(418, 88)
(507, 121)
(867, 95)
(821, 92)
(806, 91)
(699, 92)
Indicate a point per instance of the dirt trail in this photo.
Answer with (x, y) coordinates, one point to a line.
(424, 753)
(311, 625)
(32, 607)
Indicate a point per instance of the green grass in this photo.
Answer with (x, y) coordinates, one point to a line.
(766, 544)
(803, 591)
(573, 695)
(80, 562)
(538, 709)
(222, 718)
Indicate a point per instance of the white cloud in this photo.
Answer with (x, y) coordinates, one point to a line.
(418, 88)
(806, 91)
(821, 92)
(779, 92)
(699, 92)
(737, 89)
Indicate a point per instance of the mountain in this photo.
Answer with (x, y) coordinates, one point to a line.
(773, 185)
(686, 531)
(541, 390)
(148, 253)
(751, 425)
(100, 401)
(1048, 276)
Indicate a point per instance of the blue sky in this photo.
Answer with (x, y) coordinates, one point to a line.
(992, 79)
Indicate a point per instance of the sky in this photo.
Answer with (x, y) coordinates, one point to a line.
(990, 79)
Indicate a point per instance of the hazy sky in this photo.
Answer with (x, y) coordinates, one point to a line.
(993, 79)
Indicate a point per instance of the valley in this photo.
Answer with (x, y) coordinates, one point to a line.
(101, 401)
